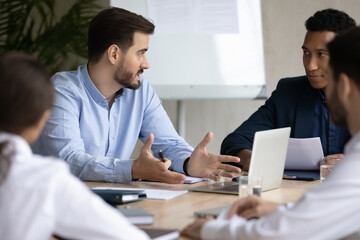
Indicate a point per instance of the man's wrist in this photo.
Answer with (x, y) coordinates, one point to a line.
(185, 166)
(245, 156)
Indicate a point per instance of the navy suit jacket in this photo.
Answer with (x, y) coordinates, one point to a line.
(292, 105)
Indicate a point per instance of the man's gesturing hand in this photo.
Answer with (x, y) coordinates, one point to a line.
(147, 167)
(203, 164)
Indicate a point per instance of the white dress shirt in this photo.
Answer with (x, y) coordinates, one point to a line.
(330, 210)
(40, 198)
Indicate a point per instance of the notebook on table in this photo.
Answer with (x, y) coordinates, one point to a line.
(137, 215)
(119, 196)
(211, 212)
(302, 175)
(267, 161)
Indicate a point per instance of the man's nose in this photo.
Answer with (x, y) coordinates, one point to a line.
(145, 63)
(312, 64)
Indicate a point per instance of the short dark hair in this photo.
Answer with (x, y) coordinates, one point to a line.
(329, 20)
(344, 53)
(114, 26)
(26, 92)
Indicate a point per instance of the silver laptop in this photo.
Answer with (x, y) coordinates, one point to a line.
(267, 161)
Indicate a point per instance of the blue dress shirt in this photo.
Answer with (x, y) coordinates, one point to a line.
(330, 135)
(96, 141)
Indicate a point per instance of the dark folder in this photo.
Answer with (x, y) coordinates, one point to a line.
(116, 196)
(302, 175)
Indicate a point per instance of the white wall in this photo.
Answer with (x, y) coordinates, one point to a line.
(283, 32)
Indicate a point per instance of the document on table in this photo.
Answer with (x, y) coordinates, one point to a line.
(190, 180)
(304, 154)
(154, 193)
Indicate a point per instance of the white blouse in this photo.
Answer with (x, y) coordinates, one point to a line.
(40, 198)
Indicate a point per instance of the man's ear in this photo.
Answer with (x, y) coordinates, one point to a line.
(345, 87)
(114, 53)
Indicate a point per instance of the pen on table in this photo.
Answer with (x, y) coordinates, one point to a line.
(161, 155)
(288, 177)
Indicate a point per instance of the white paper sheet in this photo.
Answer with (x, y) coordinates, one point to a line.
(194, 16)
(190, 180)
(214, 16)
(153, 193)
(304, 154)
(172, 16)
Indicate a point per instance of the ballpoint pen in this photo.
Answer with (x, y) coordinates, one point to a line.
(161, 155)
(291, 177)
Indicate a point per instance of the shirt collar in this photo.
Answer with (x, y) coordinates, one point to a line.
(322, 96)
(94, 92)
(17, 143)
(90, 86)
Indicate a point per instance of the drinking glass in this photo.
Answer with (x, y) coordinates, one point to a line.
(326, 166)
(249, 186)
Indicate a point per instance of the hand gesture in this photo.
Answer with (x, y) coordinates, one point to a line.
(251, 207)
(147, 167)
(193, 230)
(203, 164)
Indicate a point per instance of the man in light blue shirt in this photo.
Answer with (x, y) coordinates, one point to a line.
(102, 109)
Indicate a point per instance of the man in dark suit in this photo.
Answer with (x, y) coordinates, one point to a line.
(299, 102)
(329, 210)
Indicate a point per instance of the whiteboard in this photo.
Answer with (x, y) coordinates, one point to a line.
(191, 65)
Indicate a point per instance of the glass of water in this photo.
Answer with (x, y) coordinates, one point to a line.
(256, 185)
(326, 166)
(249, 186)
(244, 186)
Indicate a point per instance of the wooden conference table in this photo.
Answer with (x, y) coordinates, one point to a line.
(178, 212)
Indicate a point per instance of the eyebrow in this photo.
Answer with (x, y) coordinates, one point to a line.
(319, 50)
(143, 50)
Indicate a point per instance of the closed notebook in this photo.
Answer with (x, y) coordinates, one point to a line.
(137, 215)
(161, 234)
(116, 196)
(302, 175)
(212, 212)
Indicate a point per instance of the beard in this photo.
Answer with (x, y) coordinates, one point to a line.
(127, 78)
(337, 110)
